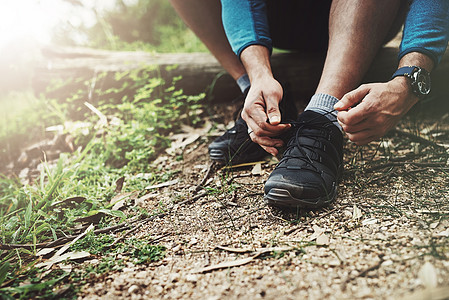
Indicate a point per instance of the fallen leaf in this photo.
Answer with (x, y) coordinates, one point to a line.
(164, 184)
(322, 240)
(144, 198)
(369, 221)
(243, 165)
(59, 256)
(428, 275)
(45, 251)
(67, 256)
(257, 169)
(229, 264)
(69, 202)
(443, 233)
(94, 218)
(235, 250)
(356, 213)
(119, 201)
(67, 246)
(103, 119)
(317, 232)
(434, 225)
(119, 184)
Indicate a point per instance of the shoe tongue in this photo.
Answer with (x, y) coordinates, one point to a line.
(311, 116)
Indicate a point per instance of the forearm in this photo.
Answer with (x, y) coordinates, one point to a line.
(256, 60)
(417, 59)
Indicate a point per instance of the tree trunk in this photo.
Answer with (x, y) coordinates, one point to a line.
(298, 73)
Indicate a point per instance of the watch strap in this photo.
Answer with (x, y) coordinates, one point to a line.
(404, 71)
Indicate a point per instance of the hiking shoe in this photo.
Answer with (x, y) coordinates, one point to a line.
(236, 147)
(312, 164)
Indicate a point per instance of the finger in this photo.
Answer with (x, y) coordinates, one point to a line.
(272, 104)
(355, 115)
(352, 98)
(266, 141)
(361, 126)
(273, 151)
(265, 129)
(363, 137)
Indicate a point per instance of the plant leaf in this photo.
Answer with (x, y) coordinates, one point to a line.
(3, 272)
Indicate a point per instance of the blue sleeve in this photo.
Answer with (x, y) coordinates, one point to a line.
(245, 23)
(426, 29)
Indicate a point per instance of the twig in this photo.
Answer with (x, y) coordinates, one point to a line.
(193, 199)
(63, 240)
(364, 272)
(122, 237)
(203, 181)
(305, 224)
(400, 164)
(417, 138)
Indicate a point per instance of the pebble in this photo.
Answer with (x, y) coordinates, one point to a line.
(132, 289)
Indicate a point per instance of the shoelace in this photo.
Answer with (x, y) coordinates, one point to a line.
(313, 124)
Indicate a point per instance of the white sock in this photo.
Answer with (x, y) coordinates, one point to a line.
(324, 104)
(243, 82)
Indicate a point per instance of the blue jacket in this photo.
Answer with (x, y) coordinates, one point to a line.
(426, 28)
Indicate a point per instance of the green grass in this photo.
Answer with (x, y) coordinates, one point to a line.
(141, 110)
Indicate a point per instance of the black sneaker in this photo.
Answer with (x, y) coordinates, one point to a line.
(312, 164)
(236, 147)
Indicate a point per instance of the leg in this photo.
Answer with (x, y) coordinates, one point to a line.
(204, 18)
(309, 172)
(357, 30)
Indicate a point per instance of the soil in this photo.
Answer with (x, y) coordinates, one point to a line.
(385, 237)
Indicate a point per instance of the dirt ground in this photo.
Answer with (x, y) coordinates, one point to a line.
(386, 236)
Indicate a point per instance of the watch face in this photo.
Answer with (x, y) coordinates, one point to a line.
(422, 82)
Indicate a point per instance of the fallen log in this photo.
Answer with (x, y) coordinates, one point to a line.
(298, 72)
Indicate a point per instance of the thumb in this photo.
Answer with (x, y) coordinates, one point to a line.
(352, 98)
(273, 112)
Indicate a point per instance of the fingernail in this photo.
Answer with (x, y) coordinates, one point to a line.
(274, 119)
(338, 105)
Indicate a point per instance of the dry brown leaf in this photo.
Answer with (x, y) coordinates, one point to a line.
(103, 119)
(356, 213)
(45, 251)
(95, 218)
(243, 165)
(428, 294)
(164, 184)
(119, 184)
(67, 256)
(119, 201)
(317, 231)
(443, 233)
(229, 264)
(322, 240)
(235, 250)
(257, 169)
(69, 202)
(59, 256)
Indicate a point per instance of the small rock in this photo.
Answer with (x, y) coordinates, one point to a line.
(132, 289)
(191, 278)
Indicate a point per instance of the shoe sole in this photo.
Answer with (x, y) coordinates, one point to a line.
(218, 156)
(222, 157)
(283, 198)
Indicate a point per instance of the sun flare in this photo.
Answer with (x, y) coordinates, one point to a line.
(29, 19)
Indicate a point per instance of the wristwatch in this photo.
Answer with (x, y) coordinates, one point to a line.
(420, 79)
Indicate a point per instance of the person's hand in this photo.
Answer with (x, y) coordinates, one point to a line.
(368, 112)
(262, 115)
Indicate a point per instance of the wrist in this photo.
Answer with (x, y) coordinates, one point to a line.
(256, 60)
